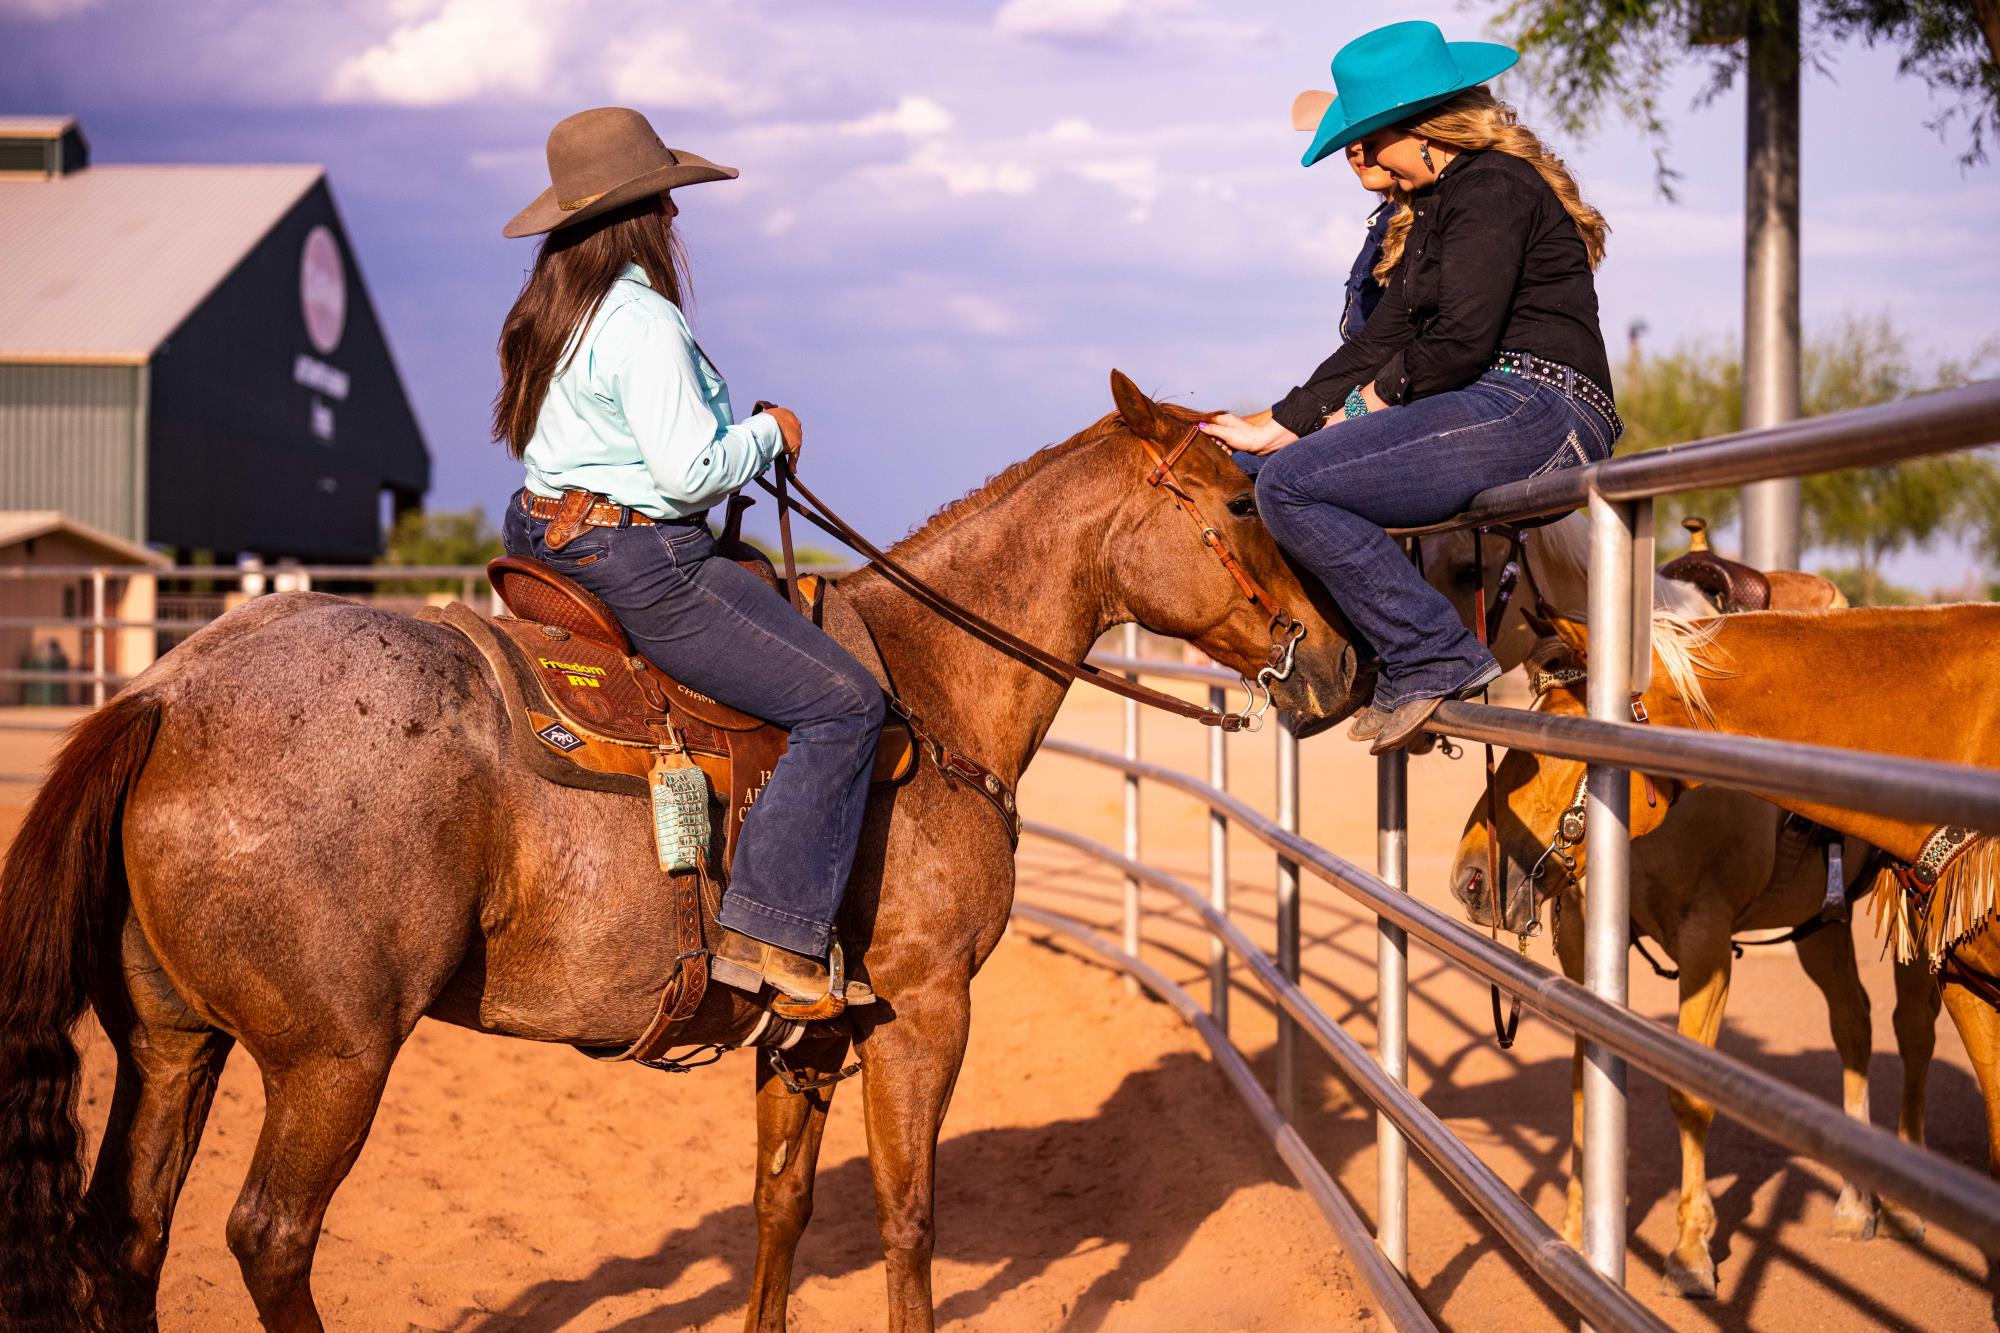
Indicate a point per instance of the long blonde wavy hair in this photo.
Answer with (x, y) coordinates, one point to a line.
(1477, 119)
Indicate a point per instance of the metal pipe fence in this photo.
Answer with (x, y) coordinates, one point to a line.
(220, 583)
(1619, 496)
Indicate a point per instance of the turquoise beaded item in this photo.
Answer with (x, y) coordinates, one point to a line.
(680, 817)
(1357, 406)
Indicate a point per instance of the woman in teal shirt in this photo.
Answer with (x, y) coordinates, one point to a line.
(610, 404)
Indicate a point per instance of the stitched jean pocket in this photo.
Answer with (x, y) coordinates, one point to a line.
(1571, 453)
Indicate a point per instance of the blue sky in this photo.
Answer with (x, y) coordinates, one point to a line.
(953, 218)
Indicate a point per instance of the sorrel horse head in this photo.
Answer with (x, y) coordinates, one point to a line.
(1839, 677)
(301, 832)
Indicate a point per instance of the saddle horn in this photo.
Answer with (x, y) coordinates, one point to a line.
(1733, 585)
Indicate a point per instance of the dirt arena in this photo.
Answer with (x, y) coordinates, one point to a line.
(1096, 1172)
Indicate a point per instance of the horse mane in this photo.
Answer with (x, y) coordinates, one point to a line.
(1686, 648)
(1010, 478)
(1687, 651)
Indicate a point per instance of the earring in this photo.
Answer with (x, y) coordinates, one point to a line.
(1424, 151)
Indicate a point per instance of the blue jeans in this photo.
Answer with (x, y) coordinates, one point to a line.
(1328, 497)
(717, 628)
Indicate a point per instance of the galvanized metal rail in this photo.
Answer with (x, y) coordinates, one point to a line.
(1618, 494)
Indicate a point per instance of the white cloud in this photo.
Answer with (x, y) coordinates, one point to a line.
(780, 222)
(463, 50)
(44, 10)
(983, 315)
(915, 117)
(1100, 21)
(1135, 179)
(1079, 18)
(664, 69)
(964, 170)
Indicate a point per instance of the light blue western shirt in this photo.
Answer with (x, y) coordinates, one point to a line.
(636, 412)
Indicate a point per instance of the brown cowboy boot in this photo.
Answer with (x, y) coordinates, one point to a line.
(749, 964)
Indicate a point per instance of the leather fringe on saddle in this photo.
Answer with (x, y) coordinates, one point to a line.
(1929, 908)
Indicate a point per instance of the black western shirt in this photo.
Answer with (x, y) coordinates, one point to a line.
(1492, 263)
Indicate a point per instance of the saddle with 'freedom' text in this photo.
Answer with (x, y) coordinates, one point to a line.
(594, 713)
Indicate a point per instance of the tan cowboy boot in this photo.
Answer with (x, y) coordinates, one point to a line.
(749, 964)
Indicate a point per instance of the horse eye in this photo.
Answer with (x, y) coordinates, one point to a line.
(1243, 505)
(1463, 577)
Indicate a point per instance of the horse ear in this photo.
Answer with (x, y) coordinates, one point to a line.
(1138, 411)
(1574, 635)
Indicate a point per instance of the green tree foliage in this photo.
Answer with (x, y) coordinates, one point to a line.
(1587, 56)
(434, 537)
(1696, 391)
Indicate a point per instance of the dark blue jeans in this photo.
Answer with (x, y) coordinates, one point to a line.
(1328, 497)
(717, 628)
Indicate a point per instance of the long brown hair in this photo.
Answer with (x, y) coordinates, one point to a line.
(1476, 119)
(573, 270)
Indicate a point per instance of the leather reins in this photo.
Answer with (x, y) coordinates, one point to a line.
(1486, 618)
(1486, 626)
(1286, 630)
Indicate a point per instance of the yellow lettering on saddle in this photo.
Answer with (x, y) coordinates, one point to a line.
(577, 674)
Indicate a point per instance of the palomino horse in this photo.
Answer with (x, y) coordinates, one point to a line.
(1833, 677)
(1722, 863)
(301, 832)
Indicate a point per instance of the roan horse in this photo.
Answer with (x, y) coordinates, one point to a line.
(1723, 862)
(300, 832)
(1836, 678)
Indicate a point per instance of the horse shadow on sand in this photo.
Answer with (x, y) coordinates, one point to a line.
(1138, 1176)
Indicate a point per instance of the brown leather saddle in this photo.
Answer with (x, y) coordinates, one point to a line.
(592, 705)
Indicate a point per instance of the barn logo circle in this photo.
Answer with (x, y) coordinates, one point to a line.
(323, 290)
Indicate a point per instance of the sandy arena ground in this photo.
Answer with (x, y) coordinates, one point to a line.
(1096, 1173)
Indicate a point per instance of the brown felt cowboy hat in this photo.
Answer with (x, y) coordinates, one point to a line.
(601, 159)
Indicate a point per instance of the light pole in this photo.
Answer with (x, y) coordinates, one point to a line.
(1771, 269)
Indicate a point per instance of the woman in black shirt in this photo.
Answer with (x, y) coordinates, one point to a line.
(1483, 363)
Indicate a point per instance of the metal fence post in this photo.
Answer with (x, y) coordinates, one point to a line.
(1218, 866)
(1288, 917)
(1130, 648)
(97, 638)
(1392, 1004)
(1771, 269)
(1607, 908)
(251, 569)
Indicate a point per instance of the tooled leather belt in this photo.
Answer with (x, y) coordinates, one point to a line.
(603, 513)
(1563, 379)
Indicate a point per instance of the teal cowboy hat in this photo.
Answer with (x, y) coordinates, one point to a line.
(1391, 74)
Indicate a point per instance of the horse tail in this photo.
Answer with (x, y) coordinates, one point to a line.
(59, 894)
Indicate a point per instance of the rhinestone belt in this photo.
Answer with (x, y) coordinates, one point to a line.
(1564, 379)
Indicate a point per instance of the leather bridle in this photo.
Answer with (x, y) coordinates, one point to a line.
(1286, 630)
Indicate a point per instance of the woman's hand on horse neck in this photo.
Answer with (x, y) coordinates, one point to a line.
(1250, 437)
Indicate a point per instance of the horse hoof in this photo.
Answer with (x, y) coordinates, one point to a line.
(1855, 1221)
(1694, 1284)
(1903, 1223)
